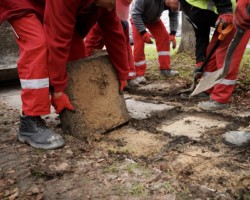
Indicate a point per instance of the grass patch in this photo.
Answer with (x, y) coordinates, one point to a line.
(135, 168)
(114, 168)
(137, 189)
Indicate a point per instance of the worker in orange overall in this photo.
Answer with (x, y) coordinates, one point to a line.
(204, 14)
(26, 19)
(242, 21)
(147, 25)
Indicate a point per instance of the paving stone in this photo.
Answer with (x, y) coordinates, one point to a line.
(191, 126)
(93, 90)
(143, 110)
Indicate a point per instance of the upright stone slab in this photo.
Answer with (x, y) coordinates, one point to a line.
(93, 91)
(8, 53)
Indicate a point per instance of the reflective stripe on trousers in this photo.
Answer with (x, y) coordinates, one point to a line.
(141, 63)
(34, 83)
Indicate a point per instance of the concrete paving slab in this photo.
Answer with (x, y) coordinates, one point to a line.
(143, 110)
(191, 126)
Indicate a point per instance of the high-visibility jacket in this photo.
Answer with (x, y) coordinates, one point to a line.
(218, 6)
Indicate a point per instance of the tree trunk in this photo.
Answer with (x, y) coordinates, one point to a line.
(187, 43)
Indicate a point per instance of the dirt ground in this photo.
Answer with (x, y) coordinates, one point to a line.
(135, 161)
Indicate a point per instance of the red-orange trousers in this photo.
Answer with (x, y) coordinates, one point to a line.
(32, 65)
(222, 92)
(161, 37)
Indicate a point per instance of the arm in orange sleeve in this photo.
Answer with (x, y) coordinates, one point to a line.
(59, 26)
(115, 42)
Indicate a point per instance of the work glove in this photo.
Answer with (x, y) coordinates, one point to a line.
(147, 38)
(122, 85)
(242, 14)
(226, 19)
(172, 40)
(197, 70)
(61, 103)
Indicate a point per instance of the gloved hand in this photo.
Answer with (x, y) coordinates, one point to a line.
(226, 18)
(122, 85)
(61, 103)
(147, 38)
(197, 70)
(173, 40)
(242, 14)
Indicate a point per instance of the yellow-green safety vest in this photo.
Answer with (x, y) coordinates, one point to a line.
(207, 4)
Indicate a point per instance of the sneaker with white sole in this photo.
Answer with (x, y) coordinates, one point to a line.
(33, 131)
(212, 105)
(237, 138)
(169, 72)
(140, 79)
(133, 83)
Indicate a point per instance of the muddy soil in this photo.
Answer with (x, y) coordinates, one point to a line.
(136, 161)
(140, 160)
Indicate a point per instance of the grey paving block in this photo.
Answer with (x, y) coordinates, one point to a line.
(143, 110)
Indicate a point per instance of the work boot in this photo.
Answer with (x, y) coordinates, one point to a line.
(169, 72)
(34, 131)
(200, 96)
(140, 79)
(237, 138)
(212, 105)
(133, 83)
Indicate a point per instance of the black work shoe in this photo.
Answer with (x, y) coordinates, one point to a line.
(34, 131)
(200, 96)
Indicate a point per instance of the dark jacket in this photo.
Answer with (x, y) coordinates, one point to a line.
(149, 12)
(202, 20)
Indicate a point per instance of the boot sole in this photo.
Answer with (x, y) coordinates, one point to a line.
(41, 146)
(186, 97)
(212, 109)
